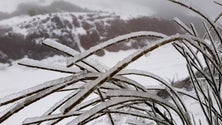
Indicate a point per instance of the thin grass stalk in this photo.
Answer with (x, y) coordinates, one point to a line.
(217, 102)
(183, 26)
(157, 111)
(208, 79)
(194, 121)
(129, 82)
(120, 84)
(202, 15)
(214, 83)
(192, 55)
(51, 117)
(111, 42)
(210, 104)
(58, 104)
(195, 58)
(150, 97)
(100, 107)
(215, 21)
(69, 89)
(195, 34)
(141, 109)
(130, 113)
(213, 109)
(109, 115)
(199, 70)
(162, 81)
(169, 114)
(94, 117)
(217, 58)
(204, 53)
(185, 118)
(30, 91)
(33, 98)
(200, 123)
(137, 114)
(194, 30)
(220, 84)
(78, 108)
(69, 51)
(37, 64)
(129, 105)
(218, 3)
(212, 86)
(199, 100)
(217, 18)
(199, 86)
(152, 109)
(193, 79)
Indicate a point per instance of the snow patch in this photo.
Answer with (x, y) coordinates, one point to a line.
(81, 31)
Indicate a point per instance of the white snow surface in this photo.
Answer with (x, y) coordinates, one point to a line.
(16, 23)
(165, 62)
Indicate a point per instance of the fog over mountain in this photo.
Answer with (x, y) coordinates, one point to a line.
(161, 8)
(32, 9)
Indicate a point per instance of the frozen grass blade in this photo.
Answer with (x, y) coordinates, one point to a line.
(22, 94)
(184, 26)
(202, 15)
(111, 42)
(40, 65)
(218, 3)
(118, 67)
(71, 52)
(40, 119)
(33, 98)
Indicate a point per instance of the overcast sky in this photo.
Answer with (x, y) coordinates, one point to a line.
(127, 7)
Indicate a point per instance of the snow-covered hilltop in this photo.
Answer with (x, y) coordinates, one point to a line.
(21, 36)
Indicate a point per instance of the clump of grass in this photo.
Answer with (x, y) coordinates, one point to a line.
(114, 93)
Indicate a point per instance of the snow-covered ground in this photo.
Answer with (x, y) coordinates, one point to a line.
(164, 61)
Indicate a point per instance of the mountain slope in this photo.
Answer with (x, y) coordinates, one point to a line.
(21, 36)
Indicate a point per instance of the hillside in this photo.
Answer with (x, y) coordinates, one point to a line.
(21, 36)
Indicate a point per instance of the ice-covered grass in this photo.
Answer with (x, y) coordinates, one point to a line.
(115, 93)
(15, 78)
(165, 61)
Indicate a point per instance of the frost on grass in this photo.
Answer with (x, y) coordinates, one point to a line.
(111, 42)
(51, 67)
(97, 91)
(86, 64)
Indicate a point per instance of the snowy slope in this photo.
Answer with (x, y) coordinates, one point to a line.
(21, 36)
